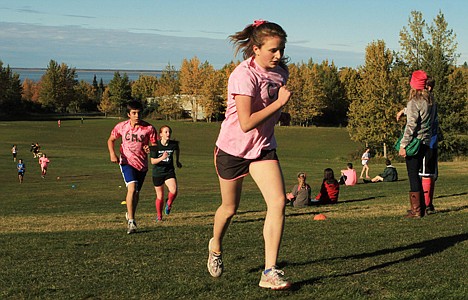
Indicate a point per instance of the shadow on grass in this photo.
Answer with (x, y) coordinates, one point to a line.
(75, 176)
(359, 200)
(288, 215)
(296, 214)
(451, 209)
(367, 181)
(426, 248)
(453, 195)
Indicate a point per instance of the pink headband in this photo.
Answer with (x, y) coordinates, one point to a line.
(257, 23)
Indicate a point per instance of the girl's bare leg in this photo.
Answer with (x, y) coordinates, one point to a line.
(230, 198)
(269, 178)
(132, 200)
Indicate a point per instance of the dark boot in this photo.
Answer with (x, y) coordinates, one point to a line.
(415, 201)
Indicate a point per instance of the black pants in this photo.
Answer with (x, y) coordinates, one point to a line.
(413, 165)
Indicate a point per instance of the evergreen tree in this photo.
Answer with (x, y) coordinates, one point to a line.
(120, 91)
(455, 116)
(85, 98)
(167, 93)
(95, 83)
(372, 115)
(335, 104)
(412, 41)
(10, 90)
(168, 83)
(58, 87)
(97, 92)
(102, 87)
(349, 79)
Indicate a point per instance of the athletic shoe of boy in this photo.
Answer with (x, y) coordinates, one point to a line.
(132, 227)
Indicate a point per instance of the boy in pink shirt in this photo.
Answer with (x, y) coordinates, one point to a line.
(136, 136)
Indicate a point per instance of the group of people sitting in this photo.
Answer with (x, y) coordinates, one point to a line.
(301, 193)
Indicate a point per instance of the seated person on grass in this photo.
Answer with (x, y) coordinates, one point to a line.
(300, 194)
(329, 190)
(389, 174)
(348, 176)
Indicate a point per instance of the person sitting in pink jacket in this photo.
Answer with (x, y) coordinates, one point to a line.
(348, 176)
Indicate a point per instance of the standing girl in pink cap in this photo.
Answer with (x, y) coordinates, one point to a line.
(418, 125)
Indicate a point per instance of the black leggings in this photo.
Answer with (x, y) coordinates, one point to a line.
(413, 165)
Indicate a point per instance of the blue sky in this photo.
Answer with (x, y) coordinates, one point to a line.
(149, 34)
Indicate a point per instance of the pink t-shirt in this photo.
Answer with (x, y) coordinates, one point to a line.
(44, 161)
(249, 79)
(351, 177)
(133, 140)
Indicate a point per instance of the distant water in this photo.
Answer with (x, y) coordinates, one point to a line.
(87, 75)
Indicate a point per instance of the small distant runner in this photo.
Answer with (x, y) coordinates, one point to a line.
(14, 152)
(21, 169)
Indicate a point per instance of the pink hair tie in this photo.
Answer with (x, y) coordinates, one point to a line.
(257, 23)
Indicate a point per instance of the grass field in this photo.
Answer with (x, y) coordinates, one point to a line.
(66, 238)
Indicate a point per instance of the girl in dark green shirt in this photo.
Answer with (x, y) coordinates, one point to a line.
(162, 159)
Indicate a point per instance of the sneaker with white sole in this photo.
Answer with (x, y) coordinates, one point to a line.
(274, 280)
(132, 227)
(215, 262)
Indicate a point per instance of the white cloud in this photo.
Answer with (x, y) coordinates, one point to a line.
(26, 45)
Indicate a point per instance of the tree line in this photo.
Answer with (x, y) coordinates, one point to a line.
(365, 99)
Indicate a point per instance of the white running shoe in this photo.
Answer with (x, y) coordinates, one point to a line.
(132, 227)
(215, 262)
(274, 280)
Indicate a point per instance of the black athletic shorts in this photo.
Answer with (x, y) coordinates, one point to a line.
(231, 167)
(429, 165)
(158, 181)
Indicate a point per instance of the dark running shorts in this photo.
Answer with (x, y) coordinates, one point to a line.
(231, 167)
(158, 181)
(429, 165)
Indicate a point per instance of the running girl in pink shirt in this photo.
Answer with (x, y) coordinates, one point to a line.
(246, 142)
(136, 136)
(44, 162)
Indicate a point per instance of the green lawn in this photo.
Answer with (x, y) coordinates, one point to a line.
(66, 238)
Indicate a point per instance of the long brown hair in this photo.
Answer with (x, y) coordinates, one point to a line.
(329, 175)
(420, 95)
(253, 35)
